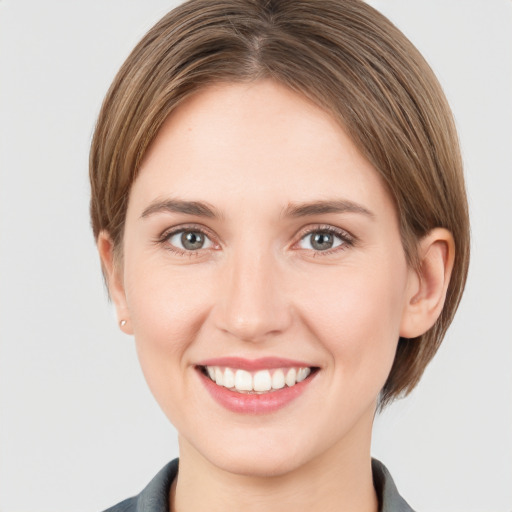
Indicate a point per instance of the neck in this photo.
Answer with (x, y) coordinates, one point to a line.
(338, 480)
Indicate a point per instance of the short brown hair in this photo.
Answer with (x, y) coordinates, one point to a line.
(346, 57)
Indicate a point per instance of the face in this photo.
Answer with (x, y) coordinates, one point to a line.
(264, 280)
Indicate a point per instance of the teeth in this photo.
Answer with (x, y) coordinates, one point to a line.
(219, 374)
(302, 374)
(243, 380)
(291, 377)
(229, 378)
(259, 382)
(278, 381)
(262, 381)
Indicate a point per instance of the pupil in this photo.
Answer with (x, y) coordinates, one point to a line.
(192, 240)
(322, 241)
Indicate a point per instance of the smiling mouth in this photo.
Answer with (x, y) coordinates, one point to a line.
(258, 382)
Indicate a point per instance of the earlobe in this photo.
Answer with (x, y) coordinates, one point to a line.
(428, 284)
(114, 279)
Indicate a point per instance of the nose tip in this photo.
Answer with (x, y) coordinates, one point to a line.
(253, 305)
(249, 329)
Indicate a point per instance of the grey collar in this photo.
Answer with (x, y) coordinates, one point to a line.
(389, 499)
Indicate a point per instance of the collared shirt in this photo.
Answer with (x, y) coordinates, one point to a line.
(155, 497)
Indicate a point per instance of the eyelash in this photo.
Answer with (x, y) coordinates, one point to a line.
(346, 238)
(163, 239)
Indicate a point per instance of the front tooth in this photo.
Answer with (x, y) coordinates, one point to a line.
(262, 381)
(218, 376)
(211, 372)
(278, 381)
(302, 374)
(290, 377)
(243, 380)
(229, 378)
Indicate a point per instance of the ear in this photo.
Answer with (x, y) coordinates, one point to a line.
(113, 275)
(427, 285)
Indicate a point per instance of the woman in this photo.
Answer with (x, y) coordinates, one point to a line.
(279, 207)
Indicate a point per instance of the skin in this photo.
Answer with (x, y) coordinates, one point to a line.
(258, 288)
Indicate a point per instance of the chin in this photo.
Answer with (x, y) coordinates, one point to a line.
(259, 455)
(261, 465)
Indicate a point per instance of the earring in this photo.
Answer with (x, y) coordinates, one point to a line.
(122, 323)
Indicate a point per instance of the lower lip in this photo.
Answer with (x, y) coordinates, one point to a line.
(254, 403)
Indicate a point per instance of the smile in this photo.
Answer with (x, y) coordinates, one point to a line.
(262, 381)
(260, 386)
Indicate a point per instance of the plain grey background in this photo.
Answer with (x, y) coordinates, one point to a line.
(79, 431)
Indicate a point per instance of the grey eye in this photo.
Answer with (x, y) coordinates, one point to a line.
(320, 241)
(190, 240)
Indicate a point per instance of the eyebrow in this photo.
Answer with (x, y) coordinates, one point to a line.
(296, 210)
(197, 208)
(292, 210)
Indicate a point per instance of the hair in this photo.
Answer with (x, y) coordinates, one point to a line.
(347, 58)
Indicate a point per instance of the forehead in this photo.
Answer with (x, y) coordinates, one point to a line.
(259, 141)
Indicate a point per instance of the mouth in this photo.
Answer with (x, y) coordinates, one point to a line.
(256, 386)
(262, 381)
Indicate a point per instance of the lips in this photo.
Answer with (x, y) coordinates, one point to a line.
(255, 386)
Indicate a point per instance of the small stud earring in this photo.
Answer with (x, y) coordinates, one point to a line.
(122, 323)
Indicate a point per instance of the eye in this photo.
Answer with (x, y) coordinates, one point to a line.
(322, 240)
(189, 240)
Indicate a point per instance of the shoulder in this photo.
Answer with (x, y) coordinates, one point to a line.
(389, 498)
(155, 496)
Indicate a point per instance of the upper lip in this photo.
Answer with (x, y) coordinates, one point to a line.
(262, 363)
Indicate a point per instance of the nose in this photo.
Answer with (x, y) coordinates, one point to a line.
(252, 303)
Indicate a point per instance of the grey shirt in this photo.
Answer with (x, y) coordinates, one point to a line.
(155, 497)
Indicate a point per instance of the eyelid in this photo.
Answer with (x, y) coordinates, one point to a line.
(347, 238)
(163, 238)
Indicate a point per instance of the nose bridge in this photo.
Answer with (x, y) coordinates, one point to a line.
(253, 304)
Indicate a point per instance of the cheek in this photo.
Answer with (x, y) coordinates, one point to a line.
(356, 313)
(165, 302)
(167, 309)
